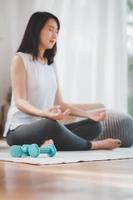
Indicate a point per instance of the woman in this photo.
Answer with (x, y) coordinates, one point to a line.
(36, 105)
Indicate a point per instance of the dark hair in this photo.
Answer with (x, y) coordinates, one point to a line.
(30, 39)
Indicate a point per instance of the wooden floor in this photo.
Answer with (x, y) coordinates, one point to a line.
(100, 180)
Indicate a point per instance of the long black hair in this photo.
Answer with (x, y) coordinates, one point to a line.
(30, 39)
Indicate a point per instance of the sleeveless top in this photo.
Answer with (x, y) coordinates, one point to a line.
(41, 91)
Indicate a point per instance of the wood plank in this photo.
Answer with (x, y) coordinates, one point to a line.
(96, 180)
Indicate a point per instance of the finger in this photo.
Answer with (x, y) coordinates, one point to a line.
(59, 113)
(94, 111)
(101, 109)
(104, 115)
(67, 112)
(56, 110)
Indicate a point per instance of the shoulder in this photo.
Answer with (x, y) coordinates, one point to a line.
(17, 62)
(22, 57)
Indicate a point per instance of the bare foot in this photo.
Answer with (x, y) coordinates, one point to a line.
(47, 142)
(108, 143)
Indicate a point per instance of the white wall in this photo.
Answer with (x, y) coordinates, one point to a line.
(7, 13)
(95, 27)
(14, 15)
(5, 48)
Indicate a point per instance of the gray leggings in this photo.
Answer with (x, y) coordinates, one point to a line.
(74, 136)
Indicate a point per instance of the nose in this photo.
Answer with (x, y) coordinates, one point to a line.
(54, 35)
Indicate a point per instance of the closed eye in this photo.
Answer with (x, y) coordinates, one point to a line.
(53, 29)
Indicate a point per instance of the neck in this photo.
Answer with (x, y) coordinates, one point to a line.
(41, 52)
(40, 56)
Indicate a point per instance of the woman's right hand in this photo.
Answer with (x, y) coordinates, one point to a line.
(56, 113)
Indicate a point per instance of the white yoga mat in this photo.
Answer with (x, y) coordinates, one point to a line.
(69, 157)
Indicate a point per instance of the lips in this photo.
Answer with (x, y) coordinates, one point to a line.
(52, 41)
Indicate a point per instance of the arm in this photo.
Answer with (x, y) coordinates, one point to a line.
(89, 107)
(93, 111)
(19, 85)
(80, 110)
(18, 81)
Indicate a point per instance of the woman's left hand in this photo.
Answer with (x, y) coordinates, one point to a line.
(98, 116)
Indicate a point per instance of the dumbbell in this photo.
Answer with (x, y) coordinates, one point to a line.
(19, 151)
(32, 150)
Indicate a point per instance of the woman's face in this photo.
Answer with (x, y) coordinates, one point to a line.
(48, 34)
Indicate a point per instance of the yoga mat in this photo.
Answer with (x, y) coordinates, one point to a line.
(69, 156)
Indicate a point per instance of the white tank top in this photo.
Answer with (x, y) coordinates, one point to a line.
(41, 91)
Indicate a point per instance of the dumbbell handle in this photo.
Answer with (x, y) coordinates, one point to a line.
(44, 149)
(34, 150)
(50, 149)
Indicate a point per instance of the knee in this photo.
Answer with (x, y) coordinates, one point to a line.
(50, 124)
(9, 142)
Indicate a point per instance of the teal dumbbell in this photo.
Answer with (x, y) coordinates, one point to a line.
(25, 148)
(34, 150)
(19, 151)
(16, 151)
